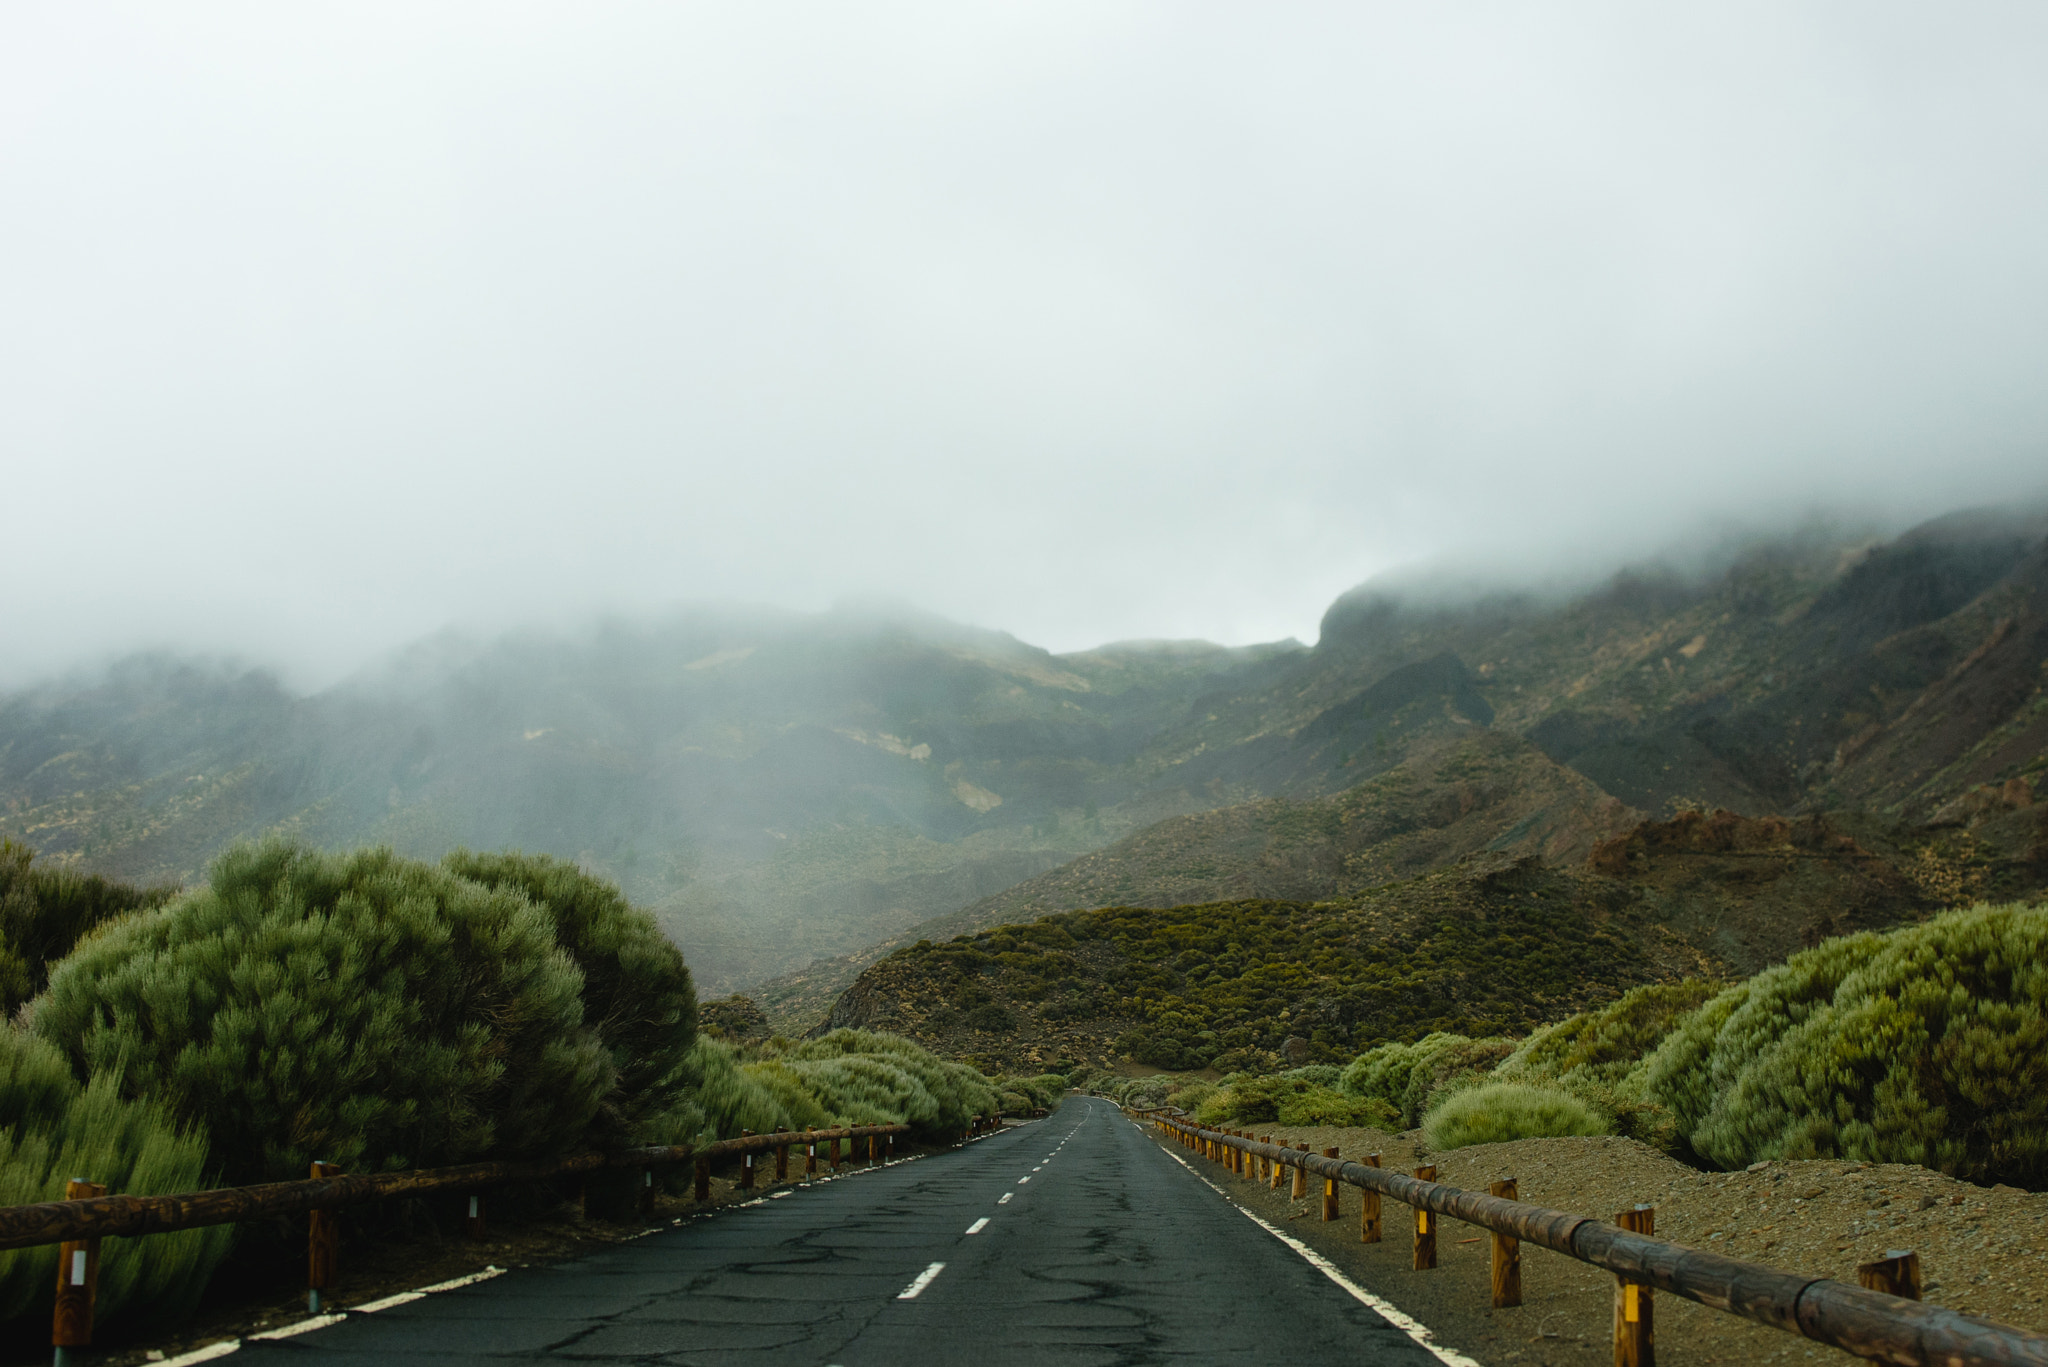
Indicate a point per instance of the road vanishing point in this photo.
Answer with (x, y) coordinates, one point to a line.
(1071, 1240)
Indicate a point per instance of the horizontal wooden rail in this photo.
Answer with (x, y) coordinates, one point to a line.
(1869, 1324)
(99, 1217)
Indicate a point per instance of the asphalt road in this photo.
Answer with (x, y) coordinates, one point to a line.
(1074, 1240)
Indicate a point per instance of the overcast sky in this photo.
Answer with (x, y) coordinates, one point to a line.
(323, 327)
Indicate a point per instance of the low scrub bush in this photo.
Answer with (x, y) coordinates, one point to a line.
(1605, 1045)
(1042, 1092)
(362, 1009)
(1496, 1112)
(1406, 1076)
(884, 1079)
(52, 1129)
(1927, 1045)
(1290, 1099)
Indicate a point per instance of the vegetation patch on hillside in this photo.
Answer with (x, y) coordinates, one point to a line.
(1477, 950)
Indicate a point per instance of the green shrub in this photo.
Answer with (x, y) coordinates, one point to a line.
(1925, 1045)
(52, 1129)
(722, 1096)
(1406, 1076)
(1042, 1092)
(44, 912)
(1606, 1044)
(875, 1078)
(868, 1089)
(1500, 1111)
(636, 994)
(1290, 1099)
(1313, 1105)
(362, 1009)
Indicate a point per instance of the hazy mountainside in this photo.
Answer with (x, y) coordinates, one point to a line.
(1471, 791)
(777, 786)
(1482, 790)
(1808, 674)
(1495, 944)
(785, 788)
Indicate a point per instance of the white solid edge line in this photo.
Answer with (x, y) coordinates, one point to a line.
(471, 1280)
(306, 1326)
(924, 1279)
(978, 1226)
(1415, 1329)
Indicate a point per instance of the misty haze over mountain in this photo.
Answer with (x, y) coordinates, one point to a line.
(848, 471)
(788, 787)
(1087, 322)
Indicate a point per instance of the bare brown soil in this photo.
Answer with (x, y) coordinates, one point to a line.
(1983, 1252)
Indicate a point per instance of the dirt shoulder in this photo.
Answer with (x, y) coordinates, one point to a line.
(1983, 1252)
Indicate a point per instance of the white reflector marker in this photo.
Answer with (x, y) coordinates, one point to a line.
(924, 1279)
(978, 1226)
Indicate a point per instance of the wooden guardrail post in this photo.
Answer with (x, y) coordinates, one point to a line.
(1329, 1192)
(703, 1188)
(473, 1222)
(1425, 1225)
(874, 1150)
(1300, 1176)
(1897, 1273)
(810, 1153)
(1507, 1254)
(323, 1245)
(782, 1163)
(1635, 1339)
(835, 1153)
(1369, 1208)
(1276, 1170)
(78, 1282)
(747, 1164)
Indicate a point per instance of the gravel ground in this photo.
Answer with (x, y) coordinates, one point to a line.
(1982, 1251)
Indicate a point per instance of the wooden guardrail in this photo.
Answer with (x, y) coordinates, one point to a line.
(1870, 1323)
(77, 1225)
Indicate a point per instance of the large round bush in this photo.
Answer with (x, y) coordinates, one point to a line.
(359, 1008)
(1926, 1045)
(637, 993)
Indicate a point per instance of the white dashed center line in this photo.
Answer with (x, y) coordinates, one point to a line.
(978, 1226)
(1004, 1199)
(924, 1279)
(1022, 1180)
